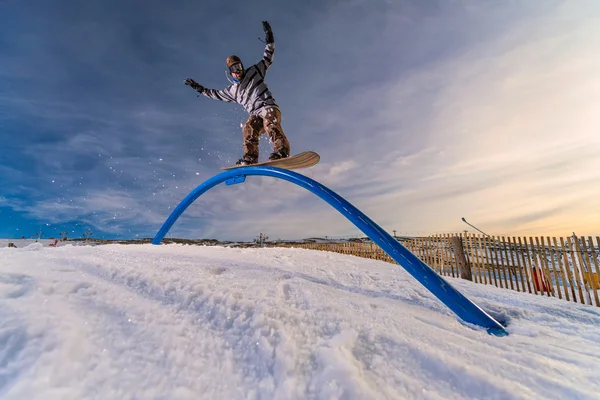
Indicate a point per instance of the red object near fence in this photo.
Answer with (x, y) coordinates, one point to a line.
(540, 281)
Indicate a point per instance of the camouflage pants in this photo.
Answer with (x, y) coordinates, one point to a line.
(269, 121)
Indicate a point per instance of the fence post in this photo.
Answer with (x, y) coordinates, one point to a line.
(461, 259)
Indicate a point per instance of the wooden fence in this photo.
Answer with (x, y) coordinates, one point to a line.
(567, 268)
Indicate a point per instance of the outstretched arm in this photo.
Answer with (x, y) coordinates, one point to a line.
(269, 53)
(222, 95)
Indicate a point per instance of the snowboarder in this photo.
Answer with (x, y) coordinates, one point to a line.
(250, 90)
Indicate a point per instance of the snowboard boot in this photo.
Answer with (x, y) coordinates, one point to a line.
(245, 161)
(279, 155)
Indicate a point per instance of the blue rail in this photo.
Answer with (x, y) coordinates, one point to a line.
(456, 301)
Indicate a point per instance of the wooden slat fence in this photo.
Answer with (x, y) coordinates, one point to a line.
(567, 268)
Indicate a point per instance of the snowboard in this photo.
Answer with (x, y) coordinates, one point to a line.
(301, 160)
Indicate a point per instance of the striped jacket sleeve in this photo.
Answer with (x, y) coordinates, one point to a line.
(267, 60)
(222, 95)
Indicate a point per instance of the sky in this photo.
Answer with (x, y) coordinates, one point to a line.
(199, 322)
(423, 112)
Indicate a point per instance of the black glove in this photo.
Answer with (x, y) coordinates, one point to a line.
(194, 85)
(269, 33)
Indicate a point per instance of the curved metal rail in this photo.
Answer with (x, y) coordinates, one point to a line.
(452, 298)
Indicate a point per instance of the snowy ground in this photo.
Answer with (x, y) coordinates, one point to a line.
(26, 242)
(186, 322)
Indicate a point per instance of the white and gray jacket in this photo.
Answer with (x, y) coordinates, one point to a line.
(252, 91)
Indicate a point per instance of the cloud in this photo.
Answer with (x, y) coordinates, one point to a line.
(423, 112)
(504, 121)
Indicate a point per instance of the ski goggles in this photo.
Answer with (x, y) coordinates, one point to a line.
(236, 69)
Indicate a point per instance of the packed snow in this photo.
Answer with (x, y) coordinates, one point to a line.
(190, 322)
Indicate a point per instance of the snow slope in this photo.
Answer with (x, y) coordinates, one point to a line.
(187, 322)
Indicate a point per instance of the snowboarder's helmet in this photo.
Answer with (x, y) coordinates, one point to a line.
(232, 60)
